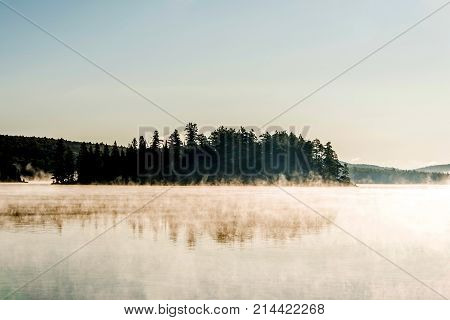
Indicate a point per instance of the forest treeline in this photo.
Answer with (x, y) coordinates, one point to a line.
(226, 155)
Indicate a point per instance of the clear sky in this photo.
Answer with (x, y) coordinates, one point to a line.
(232, 63)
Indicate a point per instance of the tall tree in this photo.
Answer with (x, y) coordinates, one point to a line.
(132, 160)
(317, 158)
(331, 163)
(156, 141)
(175, 149)
(191, 134)
(155, 158)
(142, 159)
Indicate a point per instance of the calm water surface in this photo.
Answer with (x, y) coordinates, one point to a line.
(224, 242)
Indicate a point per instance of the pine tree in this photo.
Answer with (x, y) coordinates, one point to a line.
(142, 159)
(155, 158)
(331, 163)
(317, 158)
(175, 140)
(175, 149)
(131, 160)
(156, 141)
(191, 134)
(189, 160)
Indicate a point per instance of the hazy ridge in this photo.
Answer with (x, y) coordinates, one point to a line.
(443, 168)
(365, 173)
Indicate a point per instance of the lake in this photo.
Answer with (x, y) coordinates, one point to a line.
(225, 242)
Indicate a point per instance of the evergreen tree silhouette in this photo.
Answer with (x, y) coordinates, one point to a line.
(191, 135)
(142, 159)
(317, 158)
(331, 164)
(155, 158)
(131, 161)
(156, 141)
(189, 159)
(175, 149)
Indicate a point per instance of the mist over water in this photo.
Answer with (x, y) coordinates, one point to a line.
(224, 242)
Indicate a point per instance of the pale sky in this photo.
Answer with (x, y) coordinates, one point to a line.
(233, 63)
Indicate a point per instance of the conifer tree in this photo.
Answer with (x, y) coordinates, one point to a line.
(142, 159)
(175, 146)
(331, 163)
(155, 158)
(131, 160)
(191, 134)
(156, 141)
(317, 158)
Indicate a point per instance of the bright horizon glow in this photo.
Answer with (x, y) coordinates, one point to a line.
(233, 63)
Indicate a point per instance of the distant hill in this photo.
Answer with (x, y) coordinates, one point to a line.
(28, 156)
(364, 173)
(443, 168)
